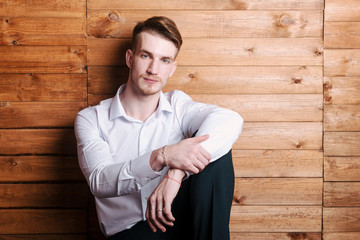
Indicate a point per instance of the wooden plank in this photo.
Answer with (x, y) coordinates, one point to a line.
(43, 59)
(336, 10)
(36, 221)
(275, 219)
(278, 191)
(341, 143)
(220, 51)
(34, 114)
(70, 195)
(275, 236)
(342, 34)
(278, 163)
(42, 31)
(341, 62)
(343, 235)
(220, 80)
(337, 219)
(207, 5)
(119, 23)
(45, 237)
(342, 117)
(54, 87)
(39, 168)
(280, 135)
(40, 8)
(282, 107)
(342, 169)
(342, 194)
(37, 141)
(342, 90)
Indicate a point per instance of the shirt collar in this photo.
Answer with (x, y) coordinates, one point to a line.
(117, 110)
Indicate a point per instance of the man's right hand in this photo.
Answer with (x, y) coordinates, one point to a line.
(188, 154)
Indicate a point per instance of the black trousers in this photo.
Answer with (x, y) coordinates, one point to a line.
(201, 208)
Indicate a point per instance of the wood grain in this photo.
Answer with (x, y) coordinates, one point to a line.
(207, 5)
(341, 143)
(342, 35)
(342, 118)
(40, 8)
(278, 191)
(42, 31)
(341, 219)
(220, 80)
(216, 51)
(275, 219)
(36, 221)
(341, 62)
(43, 59)
(119, 23)
(272, 108)
(70, 195)
(276, 236)
(278, 163)
(81, 236)
(35, 114)
(339, 10)
(280, 135)
(341, 235)
(39, 168)
(341, 90)
(37, 141)
(342, 168)
(342, 194)
(43, 87)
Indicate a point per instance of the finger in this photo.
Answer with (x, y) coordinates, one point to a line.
(147, 215)
(205, 153)
(199, 139)
(168, 213)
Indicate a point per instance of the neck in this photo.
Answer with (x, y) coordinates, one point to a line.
(140, 107)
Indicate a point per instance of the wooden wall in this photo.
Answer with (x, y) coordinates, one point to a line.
(341, 212)
(289, 67)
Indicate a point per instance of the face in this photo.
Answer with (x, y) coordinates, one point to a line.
(151, 65)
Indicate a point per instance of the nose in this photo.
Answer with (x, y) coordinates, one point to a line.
(153, 67)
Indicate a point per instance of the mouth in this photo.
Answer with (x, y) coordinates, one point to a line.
(150, 80)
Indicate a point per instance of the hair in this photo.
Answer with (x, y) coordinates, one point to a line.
(162, 26)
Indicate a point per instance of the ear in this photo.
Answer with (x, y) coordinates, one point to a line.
(129, 57)
(173, 69)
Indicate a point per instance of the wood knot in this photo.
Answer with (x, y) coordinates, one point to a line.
(327, 86)
(113, 17)
(192, 76)
(297, 236)
(14, 163)
(250, 50)
(7, 20)
(297, 80)
(239, 200)
(299, 145)
(76, 51)
(318, 52)
(14, 42)
(283, 21)
(327, 98)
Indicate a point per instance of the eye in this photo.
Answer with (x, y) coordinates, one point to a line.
(166, 60)
(144, 56)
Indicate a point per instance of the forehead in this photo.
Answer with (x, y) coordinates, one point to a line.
(156, 45)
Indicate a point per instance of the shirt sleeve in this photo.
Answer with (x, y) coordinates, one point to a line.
(106, 177)
(223, 125)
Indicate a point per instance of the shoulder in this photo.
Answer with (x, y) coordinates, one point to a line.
(177, 96)
(92, 111)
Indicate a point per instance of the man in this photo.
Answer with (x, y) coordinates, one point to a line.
(159, 165)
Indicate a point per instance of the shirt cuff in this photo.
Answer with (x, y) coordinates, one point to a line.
(141, 169)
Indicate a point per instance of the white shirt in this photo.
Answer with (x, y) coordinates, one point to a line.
(114, 150)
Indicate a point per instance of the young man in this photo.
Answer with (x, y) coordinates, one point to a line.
(159, 165)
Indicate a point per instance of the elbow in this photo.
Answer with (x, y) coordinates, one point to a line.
(237, 122)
